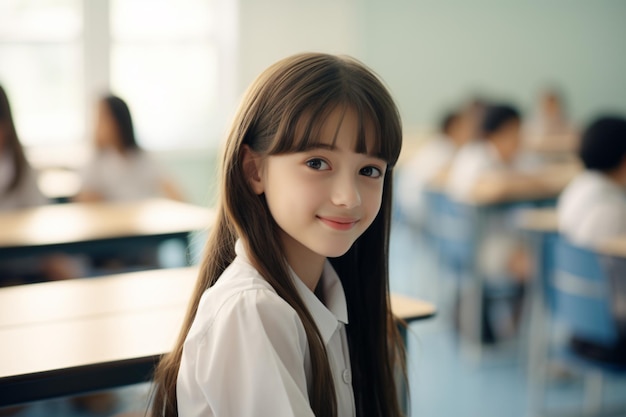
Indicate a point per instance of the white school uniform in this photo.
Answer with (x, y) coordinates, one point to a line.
(476, 159)
(123, 177)
(473, 161)
(592, 208)
(27, 193)
(247, 354)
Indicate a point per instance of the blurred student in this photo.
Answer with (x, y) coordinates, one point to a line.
(121, 170)
(494, 169)
(549, 129)
(593, 208)
(18, 190)
(428, 164)
(18, 181)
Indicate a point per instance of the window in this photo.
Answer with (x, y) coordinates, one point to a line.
(40, 56)
(171, 61)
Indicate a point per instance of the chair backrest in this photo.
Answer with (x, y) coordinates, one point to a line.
(457, 231)
(580, 293)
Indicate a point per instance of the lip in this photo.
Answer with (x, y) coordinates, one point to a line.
(338, 223)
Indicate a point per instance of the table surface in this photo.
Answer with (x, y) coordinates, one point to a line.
(81, 222)
(546, 221)
(538, 220)
(554, 177)
(79, 328)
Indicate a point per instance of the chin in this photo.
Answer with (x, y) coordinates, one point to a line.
(335, 251)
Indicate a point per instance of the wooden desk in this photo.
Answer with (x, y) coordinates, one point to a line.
(546, 221)
(614, 247)
(544, 185)
(90, 227)
(68, 337)
(538, 220)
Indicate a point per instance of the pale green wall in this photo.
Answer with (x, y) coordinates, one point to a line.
(432, 53)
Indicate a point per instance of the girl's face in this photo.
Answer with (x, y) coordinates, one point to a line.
(323, 199)
(107, 133)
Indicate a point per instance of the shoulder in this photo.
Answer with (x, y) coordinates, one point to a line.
(242, 298)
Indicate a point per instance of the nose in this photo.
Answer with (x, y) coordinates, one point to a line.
(345, 192)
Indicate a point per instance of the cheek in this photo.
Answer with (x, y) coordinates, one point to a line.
(372, 200)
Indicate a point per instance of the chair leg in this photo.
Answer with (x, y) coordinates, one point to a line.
(593, 393)
(471, 319)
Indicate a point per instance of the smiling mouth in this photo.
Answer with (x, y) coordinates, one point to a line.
(339, 223)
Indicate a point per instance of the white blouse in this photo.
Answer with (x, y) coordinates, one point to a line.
(123, 177)
(592, 208)
(247, 354)
(27, 194)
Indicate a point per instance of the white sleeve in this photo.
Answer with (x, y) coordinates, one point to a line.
(250, 361)
(602, 223)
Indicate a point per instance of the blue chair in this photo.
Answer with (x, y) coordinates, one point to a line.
(457, 229)
(579, 298)
(579, 293)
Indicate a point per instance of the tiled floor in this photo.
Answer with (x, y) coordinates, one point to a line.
(443, 382)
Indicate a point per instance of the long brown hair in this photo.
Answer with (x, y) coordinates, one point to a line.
(299, 91)
(11, 143)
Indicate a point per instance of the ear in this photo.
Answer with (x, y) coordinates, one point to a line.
(253, 168)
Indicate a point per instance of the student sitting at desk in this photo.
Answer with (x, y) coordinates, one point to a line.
(493, 168)
(121, 170)
(430, 161)
(549, 129)
(18, 181)
(19, 190)
(593, 208)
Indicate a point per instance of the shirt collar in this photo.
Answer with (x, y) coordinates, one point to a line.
(325, 316)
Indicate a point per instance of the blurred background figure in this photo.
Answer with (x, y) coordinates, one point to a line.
(492, 167)
(429, 164)
(19, 190)
(18, 181)
(593, 208)
(120, 169)
(549, 128)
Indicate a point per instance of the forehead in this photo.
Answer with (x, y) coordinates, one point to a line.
(340, 127)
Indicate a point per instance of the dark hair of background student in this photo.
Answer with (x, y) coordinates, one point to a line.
(9, 142)
(120, 113)
(448, 120)
(283, 112)
(496, 116)
(603, 144)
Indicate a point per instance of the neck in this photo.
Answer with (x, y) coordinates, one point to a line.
(307, 265)
(618, 175)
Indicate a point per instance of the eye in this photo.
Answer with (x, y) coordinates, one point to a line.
(317, 164)
(371, 172)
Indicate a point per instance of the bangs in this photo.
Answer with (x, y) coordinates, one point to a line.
(378, 133)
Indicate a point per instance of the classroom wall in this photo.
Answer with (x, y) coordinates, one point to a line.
(431, 52)
(273, 29)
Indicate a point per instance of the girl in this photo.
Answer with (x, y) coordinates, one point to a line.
(120, 169)
(18, 181)
(291, 315)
